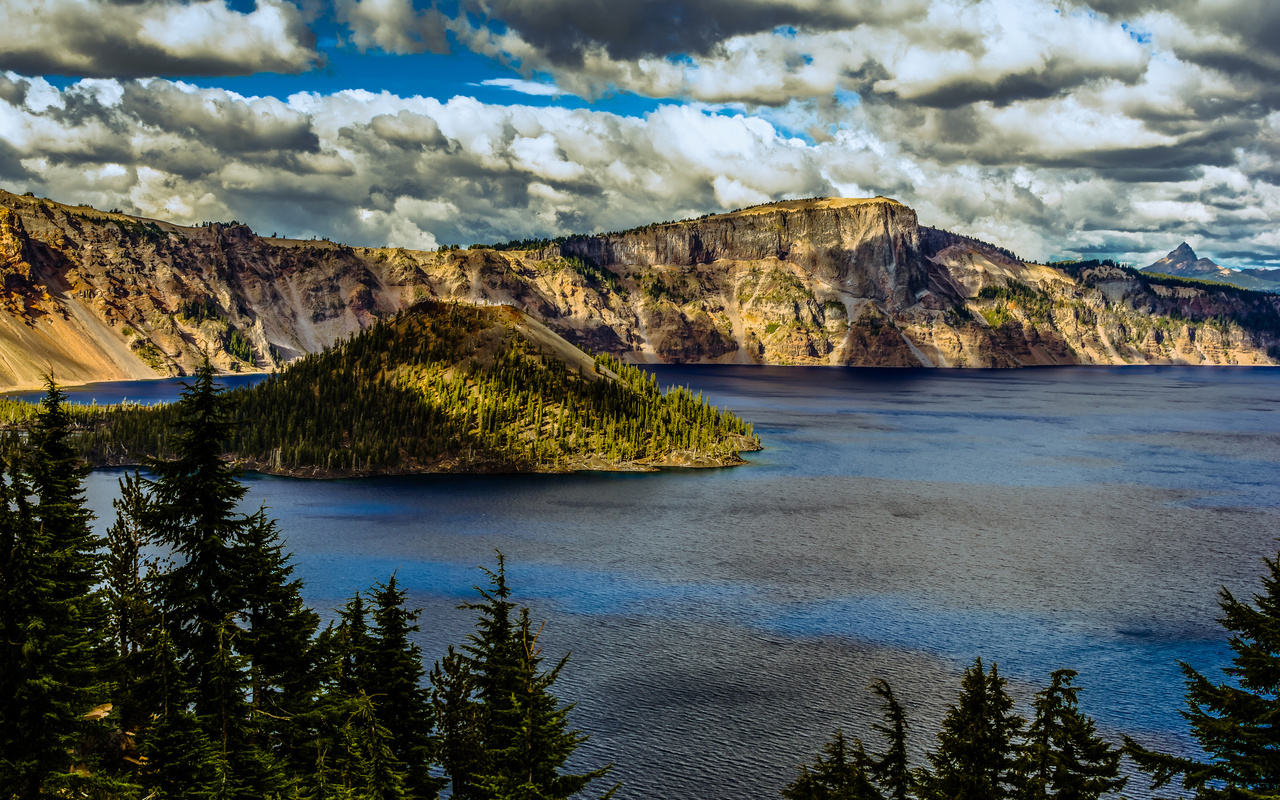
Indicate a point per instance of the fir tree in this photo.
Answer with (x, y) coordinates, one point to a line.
(194, 497)
(395, 676)
(52, 670)
(1236, 723)
(975, 757)
(845, 774)
(524, 732)
(459, 717)
(277, 641)
(891, 770)
(1063, 758)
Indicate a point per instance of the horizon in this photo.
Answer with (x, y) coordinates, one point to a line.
(1059, 131)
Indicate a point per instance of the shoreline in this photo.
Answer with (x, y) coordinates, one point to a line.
(8, 391)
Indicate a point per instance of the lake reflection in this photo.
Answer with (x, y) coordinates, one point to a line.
(724, 622)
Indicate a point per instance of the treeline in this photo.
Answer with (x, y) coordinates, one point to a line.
(200, 672)
(441, 384)
(986, 751)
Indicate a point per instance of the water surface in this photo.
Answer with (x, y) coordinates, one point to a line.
(900, 523)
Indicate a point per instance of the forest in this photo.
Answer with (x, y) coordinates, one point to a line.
(441, 387)
(174, 657)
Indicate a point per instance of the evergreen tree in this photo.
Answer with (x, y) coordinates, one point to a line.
(194, 497)
(459, 717)
(891, 770)
(524, 732)
(353, 645)
(1062, 757)
(395, 676)
(1237, 723)
(230, 575)
(277, 642)
(130, 614)
(177, 760)
(975, 757)
(845, 774)
(52, 667)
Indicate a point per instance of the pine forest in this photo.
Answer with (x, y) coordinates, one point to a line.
(439, 388)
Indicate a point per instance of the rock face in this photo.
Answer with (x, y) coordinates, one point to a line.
(99, 296)
(1183, 263)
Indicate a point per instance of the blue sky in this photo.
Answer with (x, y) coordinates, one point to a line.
(1056, 128)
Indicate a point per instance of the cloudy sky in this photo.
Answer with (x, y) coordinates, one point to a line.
(1057, 129)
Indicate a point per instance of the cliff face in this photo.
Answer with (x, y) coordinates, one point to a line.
(100, 296)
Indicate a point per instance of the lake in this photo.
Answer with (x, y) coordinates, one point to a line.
(724, 622)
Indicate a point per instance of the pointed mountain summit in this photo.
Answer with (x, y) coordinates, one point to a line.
(1183, 263)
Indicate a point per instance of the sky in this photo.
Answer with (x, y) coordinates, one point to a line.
(1067, 129)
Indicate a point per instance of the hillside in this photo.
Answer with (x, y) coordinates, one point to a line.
(443, 387)
(98, 296)
(1182, 262)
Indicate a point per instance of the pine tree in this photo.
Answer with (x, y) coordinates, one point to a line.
(1062, 757)
(277, 641)
(221, 584)
(194, 497)
(395, 676)
(891, 770)
(132, 618)
(1235, 723)
(53, 662)
(975, 757)
(527, 766)
(524, 734)
(459, 717)
(845, 774)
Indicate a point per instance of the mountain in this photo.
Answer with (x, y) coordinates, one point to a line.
(98, 295)
(1182, 263)
(441, 387)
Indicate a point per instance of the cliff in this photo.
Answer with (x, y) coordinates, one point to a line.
(94, 295)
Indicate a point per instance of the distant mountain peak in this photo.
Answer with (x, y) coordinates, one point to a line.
(1182, 251)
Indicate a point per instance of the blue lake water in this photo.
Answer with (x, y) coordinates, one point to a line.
(724, 622)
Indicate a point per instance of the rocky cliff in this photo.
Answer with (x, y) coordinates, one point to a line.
(95, 295)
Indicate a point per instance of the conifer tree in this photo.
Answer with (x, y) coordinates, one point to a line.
(52, 657)
(1063, 758)
(459, 717)
(975, 757)
(845, 774)
(279, 629)
(891, 770)
(1235, 723)
(194, 497)
(395, 674)
(523, 729)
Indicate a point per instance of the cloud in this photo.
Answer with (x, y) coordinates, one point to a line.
(376, 168)
(533, 88)
(394, 26)
(101, 38)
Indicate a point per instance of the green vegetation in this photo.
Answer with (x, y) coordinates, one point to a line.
(201, 674)
(595, 275)
(1035, 304)
(439, 387)
(1234, 723)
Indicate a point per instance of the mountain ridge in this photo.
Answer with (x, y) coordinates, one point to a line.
(97, 295)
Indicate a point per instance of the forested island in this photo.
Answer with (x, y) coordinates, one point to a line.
(442, 387)
(174, 658)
